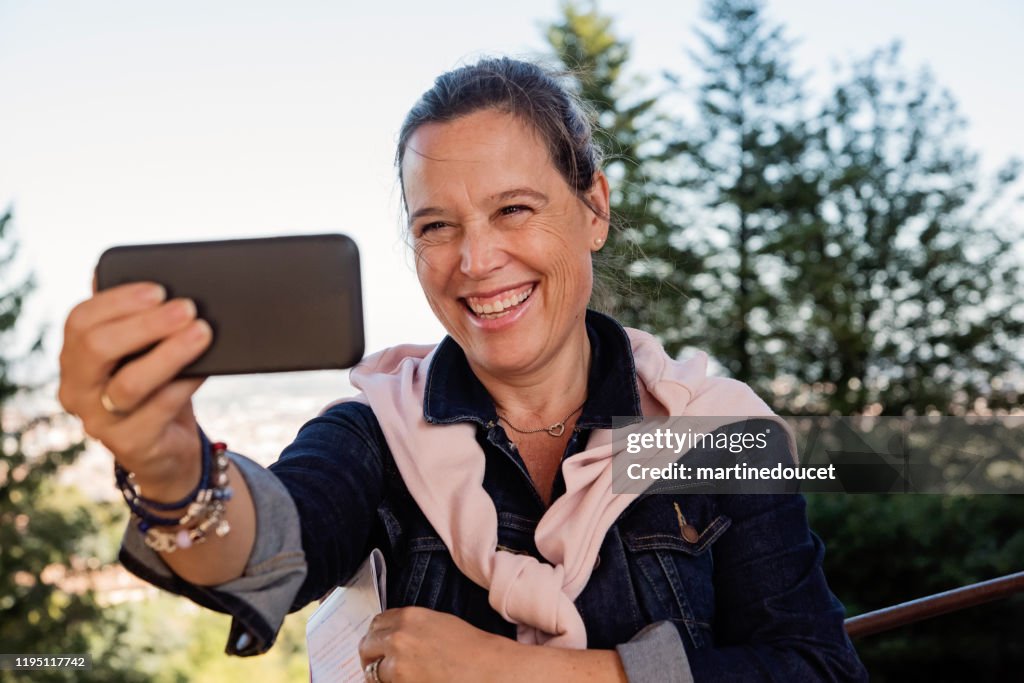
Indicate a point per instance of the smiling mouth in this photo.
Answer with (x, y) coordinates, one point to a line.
(500, 305)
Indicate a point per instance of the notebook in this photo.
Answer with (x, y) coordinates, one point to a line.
(334, 630)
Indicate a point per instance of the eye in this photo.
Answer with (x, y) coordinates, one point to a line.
(427, 227)
(512, 210)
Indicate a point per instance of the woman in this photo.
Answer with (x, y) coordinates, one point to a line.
(478, 465)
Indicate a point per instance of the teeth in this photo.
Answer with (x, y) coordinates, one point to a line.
(494, 308)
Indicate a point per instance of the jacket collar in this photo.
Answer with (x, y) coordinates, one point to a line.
(454, 394)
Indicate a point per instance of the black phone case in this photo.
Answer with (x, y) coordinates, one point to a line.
(275, 304)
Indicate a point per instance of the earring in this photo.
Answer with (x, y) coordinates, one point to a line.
(598, 241)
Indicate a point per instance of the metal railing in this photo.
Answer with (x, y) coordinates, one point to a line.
(934, 605)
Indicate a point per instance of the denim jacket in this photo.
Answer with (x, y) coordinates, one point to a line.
(744, 599)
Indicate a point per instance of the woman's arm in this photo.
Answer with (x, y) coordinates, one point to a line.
(776, 618)
(219, 559)
(313, 514)
(263, 593)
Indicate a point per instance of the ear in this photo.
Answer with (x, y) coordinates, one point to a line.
(600, 204)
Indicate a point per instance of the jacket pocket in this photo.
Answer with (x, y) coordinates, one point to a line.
(423, 573)
(418, 561)
(669, 541)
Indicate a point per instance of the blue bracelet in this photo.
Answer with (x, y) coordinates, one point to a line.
(123, 479)
(219, 491)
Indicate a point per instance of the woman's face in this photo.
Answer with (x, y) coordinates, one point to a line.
(502, 243)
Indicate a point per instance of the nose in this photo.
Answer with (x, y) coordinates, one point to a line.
(482, 252)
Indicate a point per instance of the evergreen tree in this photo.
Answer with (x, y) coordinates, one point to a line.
(743, 175)
(41, 529)
(910, 287)
(647, 273)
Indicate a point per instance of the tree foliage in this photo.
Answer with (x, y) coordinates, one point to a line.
(840, 255)
(643, 272)
(41, 527)
(743, 176)
(907, 288)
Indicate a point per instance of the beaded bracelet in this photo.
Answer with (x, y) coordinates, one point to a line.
(138, 504)
(205, 512)
(168, 542)
(206, 506)
(130, 490)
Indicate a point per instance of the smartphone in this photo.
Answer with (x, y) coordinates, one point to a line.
(275, 304)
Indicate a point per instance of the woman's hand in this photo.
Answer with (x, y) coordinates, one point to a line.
(415, 644)
(425, 646)
(140, 412)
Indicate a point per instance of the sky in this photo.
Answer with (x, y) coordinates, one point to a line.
(128, 122)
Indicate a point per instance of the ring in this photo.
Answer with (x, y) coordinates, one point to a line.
(371, 671)
(110, 406)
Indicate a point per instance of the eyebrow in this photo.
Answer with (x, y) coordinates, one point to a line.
(426, 211)
(520, 192)
(499, 197)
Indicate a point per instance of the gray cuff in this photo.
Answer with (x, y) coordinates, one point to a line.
(260, 598)
(655, 655)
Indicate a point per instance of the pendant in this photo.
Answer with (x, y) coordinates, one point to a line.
(556, 429)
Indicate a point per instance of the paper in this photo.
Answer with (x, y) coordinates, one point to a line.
(334, 630)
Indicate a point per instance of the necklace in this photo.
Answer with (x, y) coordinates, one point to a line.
(555, 430)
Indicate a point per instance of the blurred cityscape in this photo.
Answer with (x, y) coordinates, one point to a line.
(256, 415)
